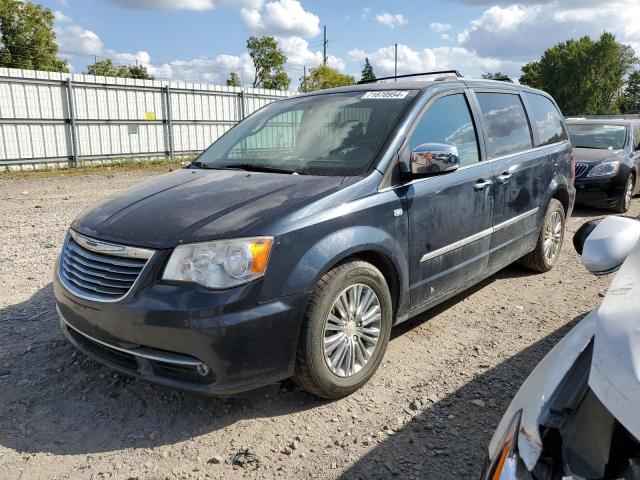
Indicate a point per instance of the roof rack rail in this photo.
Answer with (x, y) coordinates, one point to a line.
(439, 72)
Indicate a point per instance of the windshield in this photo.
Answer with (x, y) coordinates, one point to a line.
(603, 136)
(330, 134)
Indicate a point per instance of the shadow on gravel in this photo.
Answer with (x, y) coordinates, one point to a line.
(421, 449)
(54, 399)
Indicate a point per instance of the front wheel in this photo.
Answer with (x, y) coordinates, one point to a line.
(550, 240)
(345, 331)
(624, 202)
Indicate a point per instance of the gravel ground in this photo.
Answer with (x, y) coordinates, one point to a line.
(428, 413)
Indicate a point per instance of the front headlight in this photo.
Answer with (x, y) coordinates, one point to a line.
(605, 169)
(220, 264)
(504, 466)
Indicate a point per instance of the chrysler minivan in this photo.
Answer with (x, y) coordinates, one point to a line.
(292, 245)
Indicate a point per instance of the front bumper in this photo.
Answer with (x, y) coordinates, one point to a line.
(166, 332)
(600, 191)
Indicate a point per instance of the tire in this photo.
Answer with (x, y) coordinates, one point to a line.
(313, 372)
(538, 260)
(624, 201)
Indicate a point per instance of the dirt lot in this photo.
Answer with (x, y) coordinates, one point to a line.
(428, 413)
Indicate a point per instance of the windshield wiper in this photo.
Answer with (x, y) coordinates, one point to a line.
(250, 167)
(199, 164)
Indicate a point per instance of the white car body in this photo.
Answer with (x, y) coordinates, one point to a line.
(614, 329)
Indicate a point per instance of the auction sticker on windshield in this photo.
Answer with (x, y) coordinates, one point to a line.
(386, 94)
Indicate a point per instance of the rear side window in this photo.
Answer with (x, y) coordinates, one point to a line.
(449, 121)
(507, 126)
(636, 137)
(546, 119)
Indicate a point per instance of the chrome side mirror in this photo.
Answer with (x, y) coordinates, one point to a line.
(604, 246)
(432, 158)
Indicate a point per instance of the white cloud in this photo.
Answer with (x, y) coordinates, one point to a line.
(391, 20)
(440, 27)
(61, 17)
(429, 59)
(445, 36)
(204, 70)
(74, 39)
(185, 4)
(299, 55)
(281, 18)
(365, 12)
(523, 32)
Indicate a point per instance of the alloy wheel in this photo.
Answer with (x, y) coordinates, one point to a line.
(352, 330)
(628, 194)
(553, 237)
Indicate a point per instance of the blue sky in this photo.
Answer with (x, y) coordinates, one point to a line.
(204, 40)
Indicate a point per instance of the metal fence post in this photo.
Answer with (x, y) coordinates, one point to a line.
(72, 124)
(167, 120)
(242, 113)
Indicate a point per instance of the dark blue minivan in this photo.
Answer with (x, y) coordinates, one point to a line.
(292, 245)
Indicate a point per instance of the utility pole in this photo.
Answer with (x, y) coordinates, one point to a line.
(324, 46)
(396, 65)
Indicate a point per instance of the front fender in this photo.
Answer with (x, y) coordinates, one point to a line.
(330, 251)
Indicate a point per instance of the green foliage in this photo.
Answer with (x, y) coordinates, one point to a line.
(106, 68)
(584, 76)
(322, 77)
(234, 80)
(138, 71)
(630, 99)
(268, 61)
(367, 72)
(531, 75)
(502, 77)
(28, 39)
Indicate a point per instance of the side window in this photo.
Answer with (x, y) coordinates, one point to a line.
(546, 119)
(636, 137)
(507, 125)
(448, 120)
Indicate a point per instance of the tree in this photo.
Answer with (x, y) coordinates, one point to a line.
(106, 68)
(234, 80)
(584, 76)
(630, 99)
(497, 76)
(139, 71)
(367, 72)
(322, 77)
(531, 75)
(268, 61)
(28, 39)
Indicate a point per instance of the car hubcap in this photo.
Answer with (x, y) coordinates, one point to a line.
(553, 237)
(628, 194)
(352, 330)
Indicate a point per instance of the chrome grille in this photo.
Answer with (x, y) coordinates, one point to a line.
(581, 169)
(99, 270)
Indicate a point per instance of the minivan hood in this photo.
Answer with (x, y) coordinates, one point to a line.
(194, 205)
(595, 155)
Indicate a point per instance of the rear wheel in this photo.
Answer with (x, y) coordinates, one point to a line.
(624, 202)
(345, 331)
(550, 240)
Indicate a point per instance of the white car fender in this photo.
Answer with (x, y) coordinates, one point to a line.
(536, 391)
(615, 368)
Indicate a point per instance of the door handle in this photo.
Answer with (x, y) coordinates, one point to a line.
(482, 184)
(503, 178)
